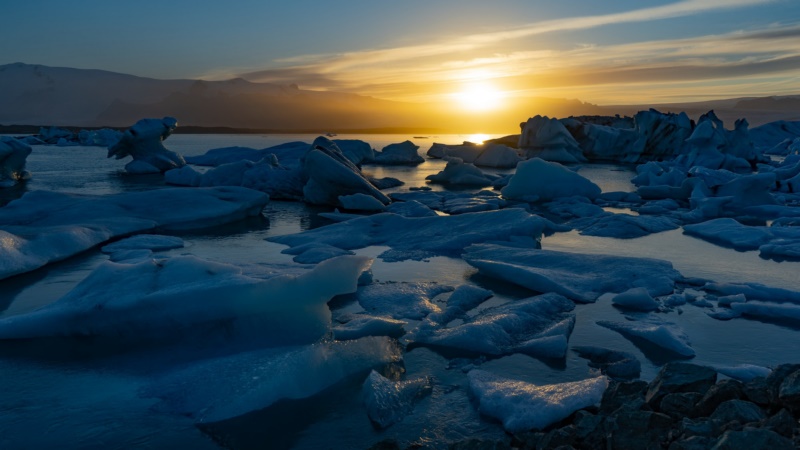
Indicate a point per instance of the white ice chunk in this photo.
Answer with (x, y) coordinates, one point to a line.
(143, 142)
(44, 227)
(580, 277)
(389, 401)
(637, 299)
(180, 295)
(231, 386)
(539, 180)
(525, 406)
(664, 334)
(537, 326)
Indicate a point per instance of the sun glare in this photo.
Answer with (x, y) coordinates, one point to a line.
(479, 96)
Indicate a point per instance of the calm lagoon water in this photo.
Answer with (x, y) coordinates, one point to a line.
(51, 398)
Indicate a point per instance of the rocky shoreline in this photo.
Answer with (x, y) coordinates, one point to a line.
(685, 407)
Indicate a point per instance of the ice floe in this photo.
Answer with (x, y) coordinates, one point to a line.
(44, 227)
(388, 401)
(636, 299)
(421, 237)
(538, 326)
(614, 363)
(522, 406)
(666, 335)
(144, 143)
(487, 155)
(227, 387)
(577, 276)
(361, 325)
(186, 295)
(460, 173)
(401, 300)
(403, 153)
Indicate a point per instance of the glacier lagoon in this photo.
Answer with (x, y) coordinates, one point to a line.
(89, 394)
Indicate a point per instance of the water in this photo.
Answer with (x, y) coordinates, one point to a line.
(56, 398)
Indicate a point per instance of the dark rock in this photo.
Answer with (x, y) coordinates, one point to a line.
(693, 443)
(757, 391)
(640, 430)
(586, 423)
(777, 376)
(721, 392)
(752, 439)
(782, 423)
(386, 444)
(679, 405)
(479, 444)
(789, 391)
(676, 377)
(630, 394)
(557, 438)
(741, 411)
(696, 427)
(528, 440)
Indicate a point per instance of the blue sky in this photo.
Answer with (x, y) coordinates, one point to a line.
(605, 52)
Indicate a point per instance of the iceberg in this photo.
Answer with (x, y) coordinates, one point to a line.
(331, 175)
(539, 180)
(459, 173)
(144, 142)
(538, 326)
(404, 153)
(230, 386)
(579, 277)
(524, 406)
(387, 401)
(548, 139)
(171, 298)
(487, 155)
(44, 227)
(421, 237)
(13, 155)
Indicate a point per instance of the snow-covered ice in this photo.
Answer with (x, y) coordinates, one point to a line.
(524, 406)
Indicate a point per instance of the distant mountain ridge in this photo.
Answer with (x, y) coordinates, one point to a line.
(42, 95)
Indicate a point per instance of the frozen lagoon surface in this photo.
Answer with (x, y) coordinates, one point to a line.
(87, 393)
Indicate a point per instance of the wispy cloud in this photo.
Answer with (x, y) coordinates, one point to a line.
(423, 71)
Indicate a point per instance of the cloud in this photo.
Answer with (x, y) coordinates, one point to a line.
(423, 72)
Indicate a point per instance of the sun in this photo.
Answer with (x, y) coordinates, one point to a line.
(479, 96)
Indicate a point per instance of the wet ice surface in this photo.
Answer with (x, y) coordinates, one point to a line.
(84, 399)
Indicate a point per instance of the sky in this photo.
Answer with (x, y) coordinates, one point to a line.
(471, 52)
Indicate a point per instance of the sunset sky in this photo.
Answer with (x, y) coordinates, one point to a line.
(470, 52)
